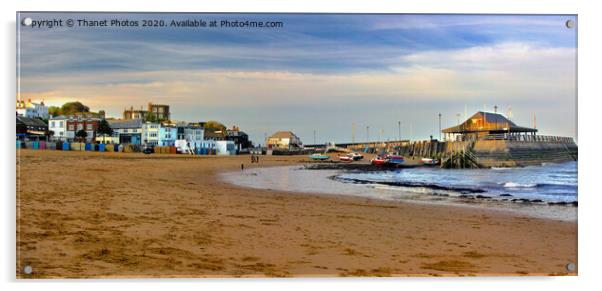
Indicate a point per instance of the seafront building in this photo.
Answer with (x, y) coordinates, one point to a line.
(284, 140)
(167, 135)
(126, 131)
(160, 112)
(240, 138)
(151, 133)
(486, 124)
(58, 126)
(31, 127)
(64, 128)
(31, 109)
(150, 126)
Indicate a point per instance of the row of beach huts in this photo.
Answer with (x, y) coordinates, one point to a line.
(101, 147)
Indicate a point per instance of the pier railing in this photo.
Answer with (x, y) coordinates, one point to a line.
(528, 138)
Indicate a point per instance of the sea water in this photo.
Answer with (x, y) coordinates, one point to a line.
(552, 183)
(546, 191)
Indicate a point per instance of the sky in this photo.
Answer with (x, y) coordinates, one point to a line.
(322, 73)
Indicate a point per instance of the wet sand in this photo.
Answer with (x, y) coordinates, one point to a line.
(86, 214)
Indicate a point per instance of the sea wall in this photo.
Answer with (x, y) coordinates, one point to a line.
(496, 153)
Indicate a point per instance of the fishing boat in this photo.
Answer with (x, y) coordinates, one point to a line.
(394, 160)
(356, 156)
(378, 161)
(429, 162)
(346, 158)
(319, 157)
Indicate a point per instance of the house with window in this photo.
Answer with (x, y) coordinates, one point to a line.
(240, 138)
(31, 128)
(151, 133)
(58, 126)
(87, 122)
(284, 140)
(167, 135)
(31, 109)
(127, 131)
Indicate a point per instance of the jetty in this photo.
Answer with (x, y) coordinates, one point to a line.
(484, 140)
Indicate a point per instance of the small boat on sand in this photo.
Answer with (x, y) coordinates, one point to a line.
(429, 162)
(378, 161)
(346, 158)
(388, 161)
(356, 156)
(319, 157)
(395, 161)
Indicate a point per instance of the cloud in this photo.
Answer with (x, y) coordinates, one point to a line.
(332, 62)
(510, 71)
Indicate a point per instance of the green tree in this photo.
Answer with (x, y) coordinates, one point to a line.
(104, 129)
(73, 107)
(151, 117)
(68, 109)
(214, 126)
(81, 134)
(54, 111)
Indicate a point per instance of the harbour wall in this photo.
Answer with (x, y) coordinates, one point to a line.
(489, 152)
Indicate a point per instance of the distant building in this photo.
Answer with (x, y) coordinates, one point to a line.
(58, 126)
(167, 135)
(32, 110)
(482, 124)
(31, 127)
(82, 121)
(284, 140)
(240, 138)
(127, 131)
(151, 133)
(160, 111)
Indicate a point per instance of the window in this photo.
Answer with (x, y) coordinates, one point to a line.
(89, 127)
(126, 130)
(52, 124)
(80, 126)
(60, 124)
(71, 127)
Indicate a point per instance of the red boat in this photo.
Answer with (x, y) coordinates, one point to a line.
(394, 160)
(346, 158)
(379, 161)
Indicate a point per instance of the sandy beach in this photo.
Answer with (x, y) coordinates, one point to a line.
(90, 214)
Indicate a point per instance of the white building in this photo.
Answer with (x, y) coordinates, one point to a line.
(58, 126)
(284, 140)
(194, 134)
(225, 147)
(151, 133)
(32, 110)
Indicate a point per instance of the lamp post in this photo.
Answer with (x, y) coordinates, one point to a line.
(439, 126)
(399, 129)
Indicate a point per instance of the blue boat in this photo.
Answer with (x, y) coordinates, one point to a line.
(319, 157)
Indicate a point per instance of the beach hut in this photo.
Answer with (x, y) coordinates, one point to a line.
(18, 144)
(66, 146)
